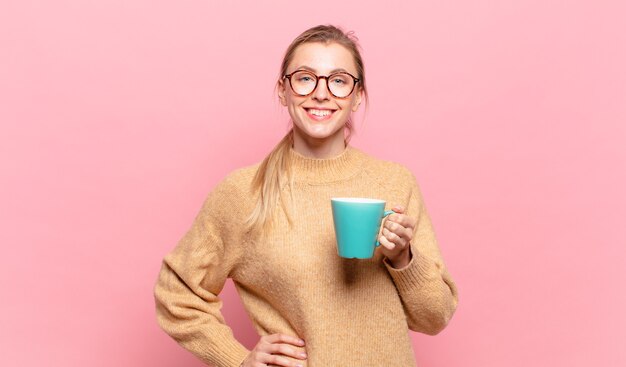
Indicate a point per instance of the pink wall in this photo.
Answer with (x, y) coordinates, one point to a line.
(117, 117)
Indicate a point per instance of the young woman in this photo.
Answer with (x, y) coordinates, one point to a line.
(269, 228)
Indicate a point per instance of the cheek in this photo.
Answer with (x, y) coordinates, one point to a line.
(353, 104)
(345, 109)
(295, 112)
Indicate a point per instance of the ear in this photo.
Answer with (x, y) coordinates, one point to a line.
(357, 100)
(281, 92)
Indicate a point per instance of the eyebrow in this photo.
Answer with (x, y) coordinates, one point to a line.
(315, 71)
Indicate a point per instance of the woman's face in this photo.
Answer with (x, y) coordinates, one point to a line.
(322, 60)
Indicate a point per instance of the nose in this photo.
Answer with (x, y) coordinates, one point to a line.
(321, 91)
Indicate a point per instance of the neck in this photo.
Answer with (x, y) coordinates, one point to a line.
(318, 148)
(314, 170)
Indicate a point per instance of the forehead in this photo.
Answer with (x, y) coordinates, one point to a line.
(323, 58)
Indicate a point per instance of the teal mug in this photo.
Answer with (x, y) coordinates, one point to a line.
(357, 225)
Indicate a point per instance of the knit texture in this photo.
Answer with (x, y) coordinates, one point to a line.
(350, 312)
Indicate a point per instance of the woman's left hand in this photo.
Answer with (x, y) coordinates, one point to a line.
(396, 238)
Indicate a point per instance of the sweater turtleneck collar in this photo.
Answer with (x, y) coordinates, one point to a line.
(322, 170)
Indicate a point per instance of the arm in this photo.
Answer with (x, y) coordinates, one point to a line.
(428, 293)
(191, 277)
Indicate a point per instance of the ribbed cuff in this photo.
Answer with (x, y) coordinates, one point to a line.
(419, 270)
(231, 353)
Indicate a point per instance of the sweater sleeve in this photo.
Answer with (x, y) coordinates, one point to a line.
(191, 277)
(428, 293)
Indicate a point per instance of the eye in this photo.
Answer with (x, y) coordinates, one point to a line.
(340, 79)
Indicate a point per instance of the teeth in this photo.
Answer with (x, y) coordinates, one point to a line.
(320, 113)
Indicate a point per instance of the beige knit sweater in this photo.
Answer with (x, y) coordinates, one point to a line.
(350, 312)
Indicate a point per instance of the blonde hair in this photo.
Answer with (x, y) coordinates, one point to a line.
(274, 172)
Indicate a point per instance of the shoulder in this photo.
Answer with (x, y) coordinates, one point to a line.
(235, 187)
(240, 178)
(391, 173)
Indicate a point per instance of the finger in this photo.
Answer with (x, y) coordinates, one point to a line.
(386, 243)
(286, 350)
(273, 359)
(398, 209)
(284, 338)
(394, 238)
(402, 219)
(399, 230)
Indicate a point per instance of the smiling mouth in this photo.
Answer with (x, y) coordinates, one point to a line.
(319, 115)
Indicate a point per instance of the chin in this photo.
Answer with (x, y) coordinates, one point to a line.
(320, 132)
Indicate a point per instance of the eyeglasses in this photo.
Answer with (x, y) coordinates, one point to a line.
(304, 82)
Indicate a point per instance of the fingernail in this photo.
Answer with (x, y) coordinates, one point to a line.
(301, 341)
(303, 355)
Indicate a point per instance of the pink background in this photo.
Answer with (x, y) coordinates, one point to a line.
(118, 117)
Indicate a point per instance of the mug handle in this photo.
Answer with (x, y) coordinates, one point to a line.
(385, 214)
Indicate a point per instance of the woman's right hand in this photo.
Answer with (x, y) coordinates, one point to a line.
(272, 349)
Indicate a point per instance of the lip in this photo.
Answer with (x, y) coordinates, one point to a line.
(319, 118)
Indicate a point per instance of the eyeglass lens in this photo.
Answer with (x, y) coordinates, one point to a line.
(340, 84)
